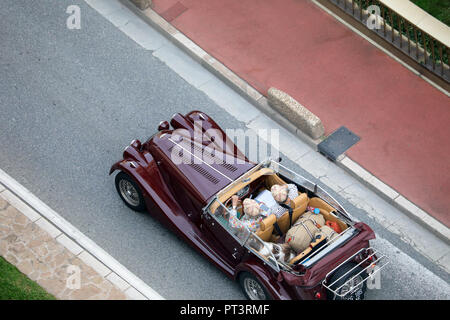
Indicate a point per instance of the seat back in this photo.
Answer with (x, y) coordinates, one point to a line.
(299, 206)
(266, 228)
(327, 211)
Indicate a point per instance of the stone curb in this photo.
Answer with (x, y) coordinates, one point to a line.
(74, 241)
(262, 103)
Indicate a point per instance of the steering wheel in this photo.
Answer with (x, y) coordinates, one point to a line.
(228, 205)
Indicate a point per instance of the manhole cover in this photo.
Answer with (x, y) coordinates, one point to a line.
(337, 143)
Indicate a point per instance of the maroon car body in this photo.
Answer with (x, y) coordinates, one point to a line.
(179, 195)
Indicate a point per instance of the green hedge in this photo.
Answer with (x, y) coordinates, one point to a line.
(440, 9)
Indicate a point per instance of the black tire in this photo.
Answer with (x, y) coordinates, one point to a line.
(247, 279)
(342, 285)
(133, 199)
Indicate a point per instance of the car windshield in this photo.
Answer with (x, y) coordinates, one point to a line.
(256, 184)
(224, 214)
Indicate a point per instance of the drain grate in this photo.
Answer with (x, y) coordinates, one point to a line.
(337, 143)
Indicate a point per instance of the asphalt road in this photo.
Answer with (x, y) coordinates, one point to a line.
(70, 100)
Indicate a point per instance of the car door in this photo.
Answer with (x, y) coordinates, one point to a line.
(217, 230)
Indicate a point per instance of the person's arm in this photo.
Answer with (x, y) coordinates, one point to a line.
(233, 212)
(277, 210)
(292, 191)
(234, 203)
(233, 220)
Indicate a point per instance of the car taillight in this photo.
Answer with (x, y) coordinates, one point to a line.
(318, 295)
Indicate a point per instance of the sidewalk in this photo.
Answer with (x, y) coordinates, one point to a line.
(31, 248)
(298, 48)
(49, 256)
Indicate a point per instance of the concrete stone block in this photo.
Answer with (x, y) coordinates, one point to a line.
(142, 4)
(304, 119)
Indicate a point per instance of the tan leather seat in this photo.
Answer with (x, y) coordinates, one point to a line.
(298, 205)
(266, 228)
(326, 210)
(319, 203)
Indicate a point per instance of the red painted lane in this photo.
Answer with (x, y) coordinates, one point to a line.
(292, 45)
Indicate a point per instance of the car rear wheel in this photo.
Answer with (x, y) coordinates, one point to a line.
(129, 192)
(252, 288)
(349, 283)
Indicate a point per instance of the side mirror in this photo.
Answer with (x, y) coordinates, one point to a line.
(163, 125)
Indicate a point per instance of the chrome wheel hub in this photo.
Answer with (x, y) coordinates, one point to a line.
(254, 289)
(129, 192)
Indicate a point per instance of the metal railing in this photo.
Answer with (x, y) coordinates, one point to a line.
(374, 259)
(400, 32)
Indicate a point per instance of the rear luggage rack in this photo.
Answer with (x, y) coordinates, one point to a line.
(371, 270)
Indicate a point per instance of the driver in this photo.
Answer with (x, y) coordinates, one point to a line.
(253, 214)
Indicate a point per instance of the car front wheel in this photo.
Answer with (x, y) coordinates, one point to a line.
(252, 288)
(129, 192)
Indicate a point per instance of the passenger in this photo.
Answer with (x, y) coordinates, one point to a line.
(252, 215)
(282, 195)
(234, 223)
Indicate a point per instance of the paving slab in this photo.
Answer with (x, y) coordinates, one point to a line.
(94, 263)
(285, 141)
(20, 205)
(136, 30)
(226, 97)
(134, 294)
(70, 245)
(49, 261)
(380, 210)
(118, 281)
(185, 66)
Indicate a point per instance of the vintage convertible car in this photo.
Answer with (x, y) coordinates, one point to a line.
(191, 197)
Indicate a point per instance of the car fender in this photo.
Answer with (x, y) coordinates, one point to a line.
(134, 170)
(116, 166)
(173, 216)
(270, 281)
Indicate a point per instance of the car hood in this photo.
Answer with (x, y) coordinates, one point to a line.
(206, 168)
